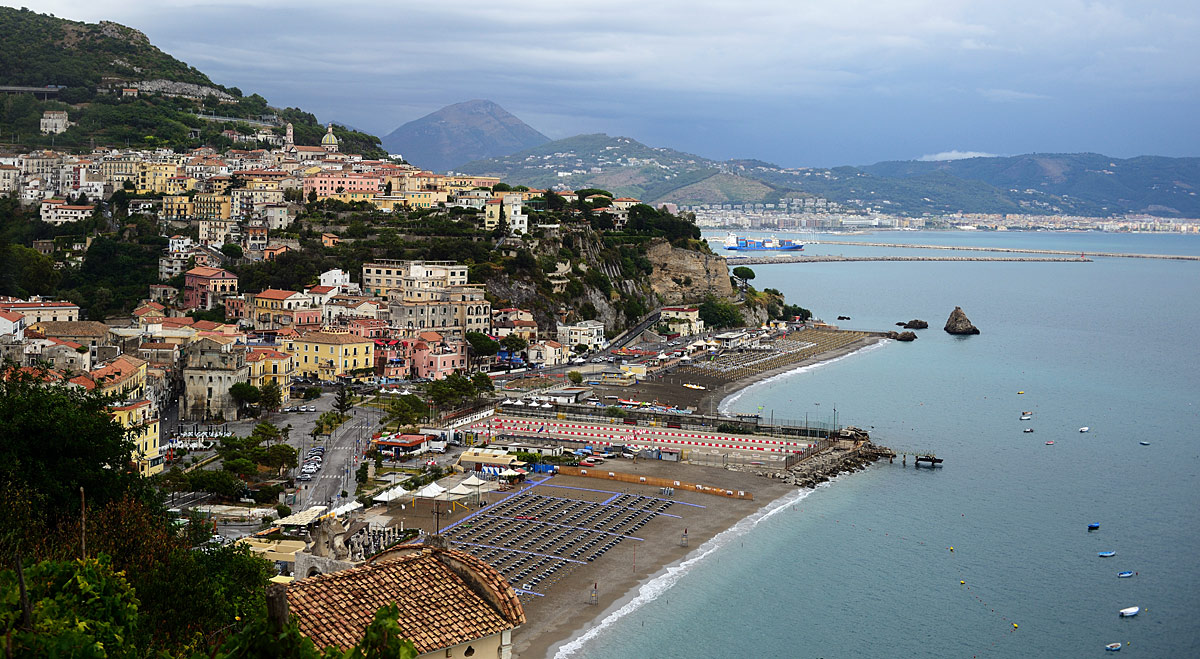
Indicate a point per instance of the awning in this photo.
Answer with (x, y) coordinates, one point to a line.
(303, 518)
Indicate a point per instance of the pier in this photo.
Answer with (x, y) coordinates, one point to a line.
(919, 457)
(1013, 250)
(822, 258)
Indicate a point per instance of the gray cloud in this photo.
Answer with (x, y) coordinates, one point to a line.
(818, 82)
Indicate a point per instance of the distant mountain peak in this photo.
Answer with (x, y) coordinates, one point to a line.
(460, 133)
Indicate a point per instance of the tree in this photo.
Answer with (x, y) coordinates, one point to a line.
(245, 393)
(513, 343)
(405, 410)
(743, 275)
(482, 382)
(575, 377)
(232, 250)
(720, 313)
(312, 196)
(272, 396)
(482, 345)
(581, 348)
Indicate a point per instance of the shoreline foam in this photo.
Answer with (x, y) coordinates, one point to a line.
(663, 580)
(728, 401)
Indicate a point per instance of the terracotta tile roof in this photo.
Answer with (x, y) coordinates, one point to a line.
(205, 271)
(438, 607)
(275, 294)
(10, 316)
(73, 328)
(333, 338)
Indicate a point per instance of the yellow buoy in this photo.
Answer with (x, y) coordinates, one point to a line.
(1014, 625)
(962, 582)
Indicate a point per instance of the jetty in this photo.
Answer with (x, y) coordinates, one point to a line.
(1014, 250)
(824, 258)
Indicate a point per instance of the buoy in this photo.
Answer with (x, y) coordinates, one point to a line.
(952, 549)
(962, 582)
(1014, 625)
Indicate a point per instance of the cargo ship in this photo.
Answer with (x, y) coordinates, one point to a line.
(740, 243)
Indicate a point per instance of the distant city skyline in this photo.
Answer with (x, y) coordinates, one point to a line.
(822, 83)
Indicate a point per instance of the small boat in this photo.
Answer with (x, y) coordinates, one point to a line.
(1124, 575)
(1144, 443)
(1130, 612)
(1026, 413)
(1107, 554)
(1027, 430)
(1084, 429)
(1050, 443)
(1113, 647)
(1093, 526)
(1020, 393)
(1026, 417)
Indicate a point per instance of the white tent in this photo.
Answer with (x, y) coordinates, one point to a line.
(460, 490)
(509, 473)
(518, 402)
(346, 508)
(474, 481)
(547, 405)
(430, 491)
(391, 494)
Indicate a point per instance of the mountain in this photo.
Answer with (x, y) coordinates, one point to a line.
(1148, 184)
(459, 133)
(1077, 184)
(91, 62)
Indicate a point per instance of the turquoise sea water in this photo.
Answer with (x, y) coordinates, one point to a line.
(861, 568)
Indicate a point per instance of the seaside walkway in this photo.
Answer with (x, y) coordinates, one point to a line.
(1014, 250)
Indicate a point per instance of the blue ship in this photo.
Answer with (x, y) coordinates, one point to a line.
(736, 242)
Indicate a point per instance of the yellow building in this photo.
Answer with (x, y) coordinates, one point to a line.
(178, 185)
(153, 176)
(328, 356)
(141, 423)
(213, 206)
(123, 377)
(270, 365)
(178, 207)
(351, 197)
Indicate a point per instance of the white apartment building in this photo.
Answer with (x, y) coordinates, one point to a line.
(416, 279)
(588, 332)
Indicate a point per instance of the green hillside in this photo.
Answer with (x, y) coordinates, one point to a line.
(40, 50)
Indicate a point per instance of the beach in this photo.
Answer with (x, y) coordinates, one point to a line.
(567, 610)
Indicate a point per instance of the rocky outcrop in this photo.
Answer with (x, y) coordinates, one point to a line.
(915, 324)
(682, 275)
(958, 323)
(843, 317)
(185, 89)
(902, 336)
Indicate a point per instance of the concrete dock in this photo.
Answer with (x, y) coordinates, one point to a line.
(822, 258)
(1011, 250)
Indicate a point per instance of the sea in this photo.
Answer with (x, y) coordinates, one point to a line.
(987, 555)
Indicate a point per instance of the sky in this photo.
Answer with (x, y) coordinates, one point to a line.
(795, 82)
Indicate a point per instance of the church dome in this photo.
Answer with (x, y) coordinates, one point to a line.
(329, 139)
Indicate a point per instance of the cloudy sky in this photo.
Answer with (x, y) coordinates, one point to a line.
(796, 82)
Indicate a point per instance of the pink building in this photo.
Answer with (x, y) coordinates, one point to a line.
(368, 328)
(204, 287)
(433, 357)
(331, 183)
(391, 362)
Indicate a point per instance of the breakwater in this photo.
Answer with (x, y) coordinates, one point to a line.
(822, 258)
(1013, 250)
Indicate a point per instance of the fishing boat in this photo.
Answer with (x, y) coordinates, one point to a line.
(1027, 430)
(1093, 526)
(1144, 443)
(1113, 647)
(1050, 443)
(1026, 413)
(1084, 429)
(1124, 575)
(1025, 417)
(744, 244)
(1130, 611)
(1107, 554)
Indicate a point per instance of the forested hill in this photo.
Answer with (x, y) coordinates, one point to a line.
(40, 49)
(1073, 184)
(92, 62)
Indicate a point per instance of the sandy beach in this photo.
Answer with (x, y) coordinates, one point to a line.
(566, 611)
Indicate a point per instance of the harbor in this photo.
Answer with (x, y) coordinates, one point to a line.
(825, 258)
(1014, 250)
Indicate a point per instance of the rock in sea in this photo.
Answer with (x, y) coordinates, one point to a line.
(916, 324)
(958, 323)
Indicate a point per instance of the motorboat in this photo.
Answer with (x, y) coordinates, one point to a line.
(1050, 443)
(1084, 429)
(1026, 413)
(1026, 417)
(1027, 430)
(1130, 612)
(1144, 443)
(1107, 554)
(1124, 575)
(1020, 393)
(1093, 526)
(1113, 647)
